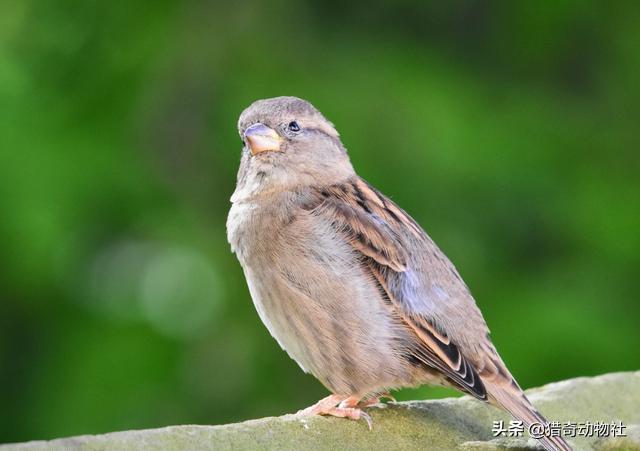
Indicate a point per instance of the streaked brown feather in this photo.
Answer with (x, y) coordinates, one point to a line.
(356, 220)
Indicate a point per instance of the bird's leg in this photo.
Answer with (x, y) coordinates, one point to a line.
(376, 399)
(338, 406)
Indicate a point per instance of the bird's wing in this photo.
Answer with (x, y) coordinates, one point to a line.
(387, 239)
(378, 229)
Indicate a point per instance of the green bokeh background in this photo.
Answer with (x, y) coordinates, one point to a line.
(509, 130)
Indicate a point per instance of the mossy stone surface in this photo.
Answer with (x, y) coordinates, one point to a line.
(456, 424)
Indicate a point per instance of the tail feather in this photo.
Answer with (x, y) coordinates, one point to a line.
(514, 401)
(504, 391)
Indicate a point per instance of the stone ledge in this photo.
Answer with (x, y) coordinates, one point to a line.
(454, 423)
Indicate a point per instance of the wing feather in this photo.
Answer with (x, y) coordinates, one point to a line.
(371, 224)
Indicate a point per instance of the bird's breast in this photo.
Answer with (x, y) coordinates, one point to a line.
(316, 298)
(241, 220)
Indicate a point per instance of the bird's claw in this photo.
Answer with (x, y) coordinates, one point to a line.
(337, 406)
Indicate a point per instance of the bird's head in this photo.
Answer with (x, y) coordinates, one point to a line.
(287, 144)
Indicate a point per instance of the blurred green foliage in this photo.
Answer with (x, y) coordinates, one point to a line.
(509, 130)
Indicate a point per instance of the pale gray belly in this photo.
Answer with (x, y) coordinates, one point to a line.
(324, 310)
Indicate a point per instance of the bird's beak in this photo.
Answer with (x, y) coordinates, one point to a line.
(261, 138)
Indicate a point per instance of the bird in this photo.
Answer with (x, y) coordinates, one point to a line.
(348, 284)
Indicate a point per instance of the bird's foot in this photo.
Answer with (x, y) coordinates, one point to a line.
(338, 406)
(376, 400)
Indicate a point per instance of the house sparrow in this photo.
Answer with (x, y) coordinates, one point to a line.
(346, 281)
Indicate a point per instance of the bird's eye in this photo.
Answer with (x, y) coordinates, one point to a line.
(293, 126)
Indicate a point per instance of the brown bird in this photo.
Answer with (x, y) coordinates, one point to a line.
(346, 281)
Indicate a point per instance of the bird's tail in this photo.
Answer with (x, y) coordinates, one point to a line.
(513, 400)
